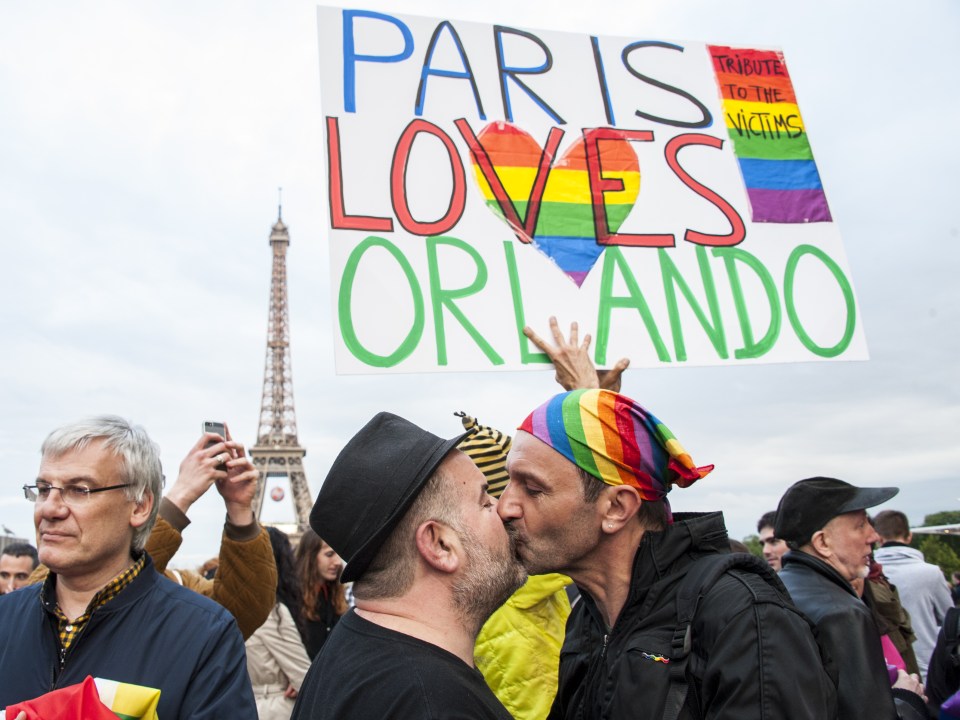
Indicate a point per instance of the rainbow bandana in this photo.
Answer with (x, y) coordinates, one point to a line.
(614, 439)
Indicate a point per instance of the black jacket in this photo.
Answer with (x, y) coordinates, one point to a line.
(848, 633)
(943, 674)
(753, 655)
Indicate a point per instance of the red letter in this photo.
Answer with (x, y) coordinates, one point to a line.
(338, 216)
(738, 230)
(600, 185)
(524, 228)
(398, 189)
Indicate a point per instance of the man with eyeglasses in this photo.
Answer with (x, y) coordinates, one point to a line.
(103, 610)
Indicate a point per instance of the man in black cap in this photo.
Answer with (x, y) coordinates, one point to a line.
(430, 560)
(825, 525)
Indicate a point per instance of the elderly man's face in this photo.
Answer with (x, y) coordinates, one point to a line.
(773, 548)
(543, 505)
(14, 572)
(92, 538)
(849, 539)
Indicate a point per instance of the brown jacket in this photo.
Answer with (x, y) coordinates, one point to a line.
(892, 620)
(246, 580)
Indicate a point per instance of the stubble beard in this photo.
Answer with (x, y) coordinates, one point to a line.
(488, 580)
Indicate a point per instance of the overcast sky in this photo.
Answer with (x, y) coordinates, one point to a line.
(142, 144)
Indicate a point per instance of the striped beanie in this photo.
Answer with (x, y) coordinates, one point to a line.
(488, 449)
(614, 439)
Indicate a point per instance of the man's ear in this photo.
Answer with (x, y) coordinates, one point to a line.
(820, 544)
(621, 504)
(439, 546)
(141, 510)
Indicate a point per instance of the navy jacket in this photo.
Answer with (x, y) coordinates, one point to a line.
(154, 633)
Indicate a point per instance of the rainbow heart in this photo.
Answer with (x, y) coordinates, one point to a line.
(548, 201)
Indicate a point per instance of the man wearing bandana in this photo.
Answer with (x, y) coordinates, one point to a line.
(589, 475)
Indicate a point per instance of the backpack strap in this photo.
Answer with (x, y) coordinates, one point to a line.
(701, 576)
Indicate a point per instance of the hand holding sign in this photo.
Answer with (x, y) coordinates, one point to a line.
(571, 359)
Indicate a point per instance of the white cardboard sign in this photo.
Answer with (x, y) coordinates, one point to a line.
(483, 177)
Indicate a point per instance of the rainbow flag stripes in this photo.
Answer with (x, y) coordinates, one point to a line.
(564, 227)
(769, 137)
(614, 439)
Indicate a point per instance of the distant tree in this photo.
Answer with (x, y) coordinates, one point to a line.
(938, 552)
(753, 544)
(949, 517)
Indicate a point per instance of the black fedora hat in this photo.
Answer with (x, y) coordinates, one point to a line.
(810, 504)
(370, 486)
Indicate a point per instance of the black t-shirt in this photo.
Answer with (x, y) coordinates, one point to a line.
(367, 672)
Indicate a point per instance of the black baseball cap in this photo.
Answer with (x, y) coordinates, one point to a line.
(810, 504)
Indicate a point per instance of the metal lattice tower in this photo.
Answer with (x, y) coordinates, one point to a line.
(278, 451)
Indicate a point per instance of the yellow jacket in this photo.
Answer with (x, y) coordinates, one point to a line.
(518, 649)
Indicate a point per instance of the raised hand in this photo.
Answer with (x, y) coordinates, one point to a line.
(571, 359)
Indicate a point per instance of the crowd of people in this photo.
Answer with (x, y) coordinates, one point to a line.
(480, 576)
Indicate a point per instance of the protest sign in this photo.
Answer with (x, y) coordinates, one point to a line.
(483, 177)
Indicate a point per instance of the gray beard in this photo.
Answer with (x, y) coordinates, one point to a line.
(486, 583)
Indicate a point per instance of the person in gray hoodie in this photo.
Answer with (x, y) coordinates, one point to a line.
(923, 589)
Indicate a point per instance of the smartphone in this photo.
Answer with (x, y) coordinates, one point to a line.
(210, 426)
(215, 427)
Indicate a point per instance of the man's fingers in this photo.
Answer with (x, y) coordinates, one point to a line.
(536, 339)
(236, 447)
(555, 329)
(247, 476)
(574, 333)
(241, 463)
(217, 447)
(612, 378)
(206, 438)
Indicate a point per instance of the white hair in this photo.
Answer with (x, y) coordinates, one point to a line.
(139, 459)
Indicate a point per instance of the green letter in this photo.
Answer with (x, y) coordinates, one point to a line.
(444, 298)
(845, 288)
(346, 317)
(671, 280)
(526, 357)
(614, 256)
(750, 348)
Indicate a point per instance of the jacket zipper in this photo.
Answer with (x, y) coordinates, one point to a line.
(64, 654)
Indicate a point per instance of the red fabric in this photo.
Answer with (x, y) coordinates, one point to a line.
(76, 702)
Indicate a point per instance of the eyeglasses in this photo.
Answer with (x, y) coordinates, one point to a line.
(72, 495)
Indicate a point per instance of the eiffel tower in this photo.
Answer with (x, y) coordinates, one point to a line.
(278, 454)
